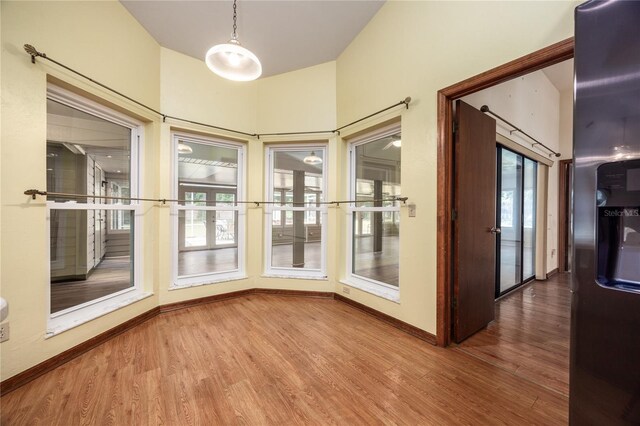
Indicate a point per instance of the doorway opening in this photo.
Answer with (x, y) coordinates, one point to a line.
(445, 265)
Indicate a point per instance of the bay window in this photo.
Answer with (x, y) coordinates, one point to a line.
(208, 222)
(91, 151)
(374, 219)
(295, 231)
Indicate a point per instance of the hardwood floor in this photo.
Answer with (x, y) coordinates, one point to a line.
(530, 335)
(264, 359)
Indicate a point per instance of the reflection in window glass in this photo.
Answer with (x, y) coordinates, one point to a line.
(517, 181)
(529, 218)
(90, 246)
(375, 232)
(297, 187)
(208, 214)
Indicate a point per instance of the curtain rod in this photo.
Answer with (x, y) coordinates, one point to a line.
(34, 192)
(485, 109)
(34, 53)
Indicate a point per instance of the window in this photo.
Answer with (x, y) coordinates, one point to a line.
(208, 222)
(295, 235)
(93, 241)
(374, 221)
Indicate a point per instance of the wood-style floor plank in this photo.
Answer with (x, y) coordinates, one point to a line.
(266, 359)
(530, 336)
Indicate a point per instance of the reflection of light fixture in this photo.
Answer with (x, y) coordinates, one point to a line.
(232, 61)
(183, 148)
(312, 159)
(622, 151)
(396, 142)
(75, 148)
(109, 156)
(118, 171)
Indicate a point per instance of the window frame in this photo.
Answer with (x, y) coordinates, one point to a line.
(378, 288)
(321, 213)
(79, 314)
(187, 281)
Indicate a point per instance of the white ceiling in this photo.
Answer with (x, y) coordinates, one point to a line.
(561, 75)
(285, 35)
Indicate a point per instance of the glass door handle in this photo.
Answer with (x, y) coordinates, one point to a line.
(495, 230)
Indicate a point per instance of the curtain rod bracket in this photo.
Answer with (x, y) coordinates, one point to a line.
(33, 193)
(33, 52)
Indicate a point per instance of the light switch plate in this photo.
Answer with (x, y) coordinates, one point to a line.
(412, 210)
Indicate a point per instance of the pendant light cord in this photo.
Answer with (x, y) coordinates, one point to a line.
(235, 19)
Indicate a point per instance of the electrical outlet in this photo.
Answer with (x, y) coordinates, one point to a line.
(346, 290)
(4, 332)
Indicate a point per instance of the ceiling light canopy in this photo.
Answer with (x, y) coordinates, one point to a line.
(312, 159)
(231, 60)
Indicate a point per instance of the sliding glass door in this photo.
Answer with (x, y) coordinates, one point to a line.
(516, 207)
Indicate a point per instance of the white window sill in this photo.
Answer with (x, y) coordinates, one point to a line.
(207, 281)
(63, 325)
(296, 277)
(384, 292)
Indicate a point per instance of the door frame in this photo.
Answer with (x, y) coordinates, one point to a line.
(563, 209)
(535, 61)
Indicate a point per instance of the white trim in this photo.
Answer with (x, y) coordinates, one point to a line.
(374, 135)
(116, 303)
(283, 272)
(368, 285)
(374, 287)
(76, 315)
(291, 277)
(239, 273)
(219, 279)
(73, 100)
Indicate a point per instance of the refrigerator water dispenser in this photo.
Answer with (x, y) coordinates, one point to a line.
(618, 237)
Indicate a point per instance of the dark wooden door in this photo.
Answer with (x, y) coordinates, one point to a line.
(474, 244)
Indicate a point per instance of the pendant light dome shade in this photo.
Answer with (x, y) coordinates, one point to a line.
(233, 62)
(312, 159)
(183, 149)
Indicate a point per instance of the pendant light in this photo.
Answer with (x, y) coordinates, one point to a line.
(312, 159)
(231, 60)
(183, 149)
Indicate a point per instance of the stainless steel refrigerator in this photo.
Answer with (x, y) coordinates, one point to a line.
(605, 308)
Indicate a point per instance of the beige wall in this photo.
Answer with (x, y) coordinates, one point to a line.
(414, 49)
(105, 42)
(566, 124)
(408, 49)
